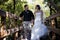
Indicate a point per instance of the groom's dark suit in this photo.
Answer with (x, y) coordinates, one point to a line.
(27, 17)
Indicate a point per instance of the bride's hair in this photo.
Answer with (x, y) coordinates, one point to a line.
(38, 6)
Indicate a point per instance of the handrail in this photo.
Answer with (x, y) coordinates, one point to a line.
(53, 16)
(10, 33)
(51, 27)
(55, 30)
(10, 16)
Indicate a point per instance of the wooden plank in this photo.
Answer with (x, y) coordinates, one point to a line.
(8, 14)
(11, 15)
(53, 16)
(9, 33)
(55, 30)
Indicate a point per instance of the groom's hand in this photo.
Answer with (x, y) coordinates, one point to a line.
(32, 21)
(21, 18)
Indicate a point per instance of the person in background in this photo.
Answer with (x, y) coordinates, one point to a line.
(27, 17)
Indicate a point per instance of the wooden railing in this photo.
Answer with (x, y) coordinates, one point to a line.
(11, 33)
(53, 16)
(52, 25)
(53, 21)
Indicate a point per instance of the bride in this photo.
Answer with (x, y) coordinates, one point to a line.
(39, 29)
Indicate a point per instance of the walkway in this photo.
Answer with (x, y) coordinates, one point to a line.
(14, 33)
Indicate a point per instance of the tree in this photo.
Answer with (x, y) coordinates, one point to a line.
(54, 4)
(3, 1)
(12, 6)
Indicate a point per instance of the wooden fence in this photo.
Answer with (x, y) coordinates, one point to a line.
(10, 32)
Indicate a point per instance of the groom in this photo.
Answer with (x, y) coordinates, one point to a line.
(27, 17)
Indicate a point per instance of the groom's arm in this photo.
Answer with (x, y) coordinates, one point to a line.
(32, 15)
(21, 16)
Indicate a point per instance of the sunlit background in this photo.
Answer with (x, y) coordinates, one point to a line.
(43, 6)
(10, 11)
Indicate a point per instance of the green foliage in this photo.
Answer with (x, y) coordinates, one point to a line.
(8, 5)
(56, 2)
(55, 5)
(3, 1)
(18, 7)
(3, 7)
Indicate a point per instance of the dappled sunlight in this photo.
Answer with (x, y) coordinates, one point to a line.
(14, 27)
(33, 3)
(37, 30)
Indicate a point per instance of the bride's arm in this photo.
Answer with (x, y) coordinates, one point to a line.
(34, 14)
(42, 16)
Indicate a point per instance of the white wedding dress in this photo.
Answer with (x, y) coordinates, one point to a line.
(38, 29)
